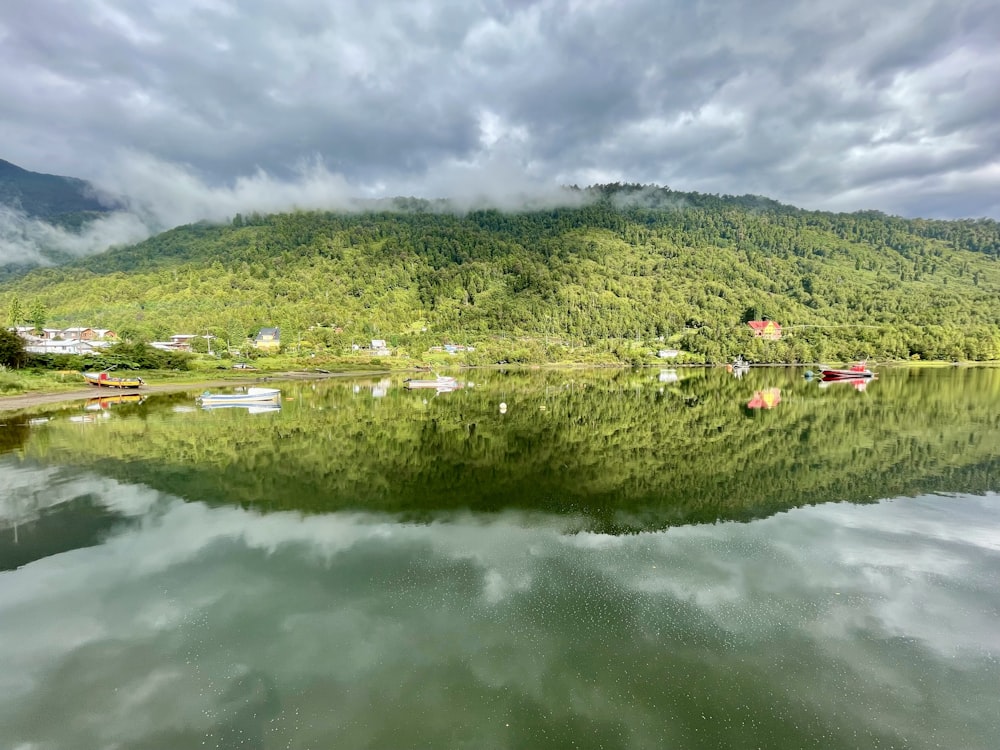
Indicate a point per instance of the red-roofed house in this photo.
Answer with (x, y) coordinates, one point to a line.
(766, 329)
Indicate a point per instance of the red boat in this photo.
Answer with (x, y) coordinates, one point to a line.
(854, 372)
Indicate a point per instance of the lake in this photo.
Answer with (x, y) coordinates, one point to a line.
(549, 558)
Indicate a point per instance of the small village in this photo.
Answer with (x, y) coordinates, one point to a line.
(86, 341)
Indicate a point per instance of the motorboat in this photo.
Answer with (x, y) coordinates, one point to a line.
(853, 372)
(250, 397)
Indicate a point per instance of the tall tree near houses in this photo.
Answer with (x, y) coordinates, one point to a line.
(15, 313)
(38, 315)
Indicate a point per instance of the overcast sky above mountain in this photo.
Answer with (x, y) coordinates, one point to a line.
(210, 106)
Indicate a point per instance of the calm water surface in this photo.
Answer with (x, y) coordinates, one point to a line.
(616, 560)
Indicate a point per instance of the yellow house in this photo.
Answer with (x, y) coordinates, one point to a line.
(766, 329)
(268, 338)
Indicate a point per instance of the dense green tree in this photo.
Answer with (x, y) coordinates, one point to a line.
(38, 314)
(12, 352)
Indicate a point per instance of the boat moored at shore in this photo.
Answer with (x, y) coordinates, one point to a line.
(103, 379)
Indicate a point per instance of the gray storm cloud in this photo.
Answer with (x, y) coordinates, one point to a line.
(889, 106)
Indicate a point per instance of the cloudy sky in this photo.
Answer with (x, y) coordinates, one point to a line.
(204, 107)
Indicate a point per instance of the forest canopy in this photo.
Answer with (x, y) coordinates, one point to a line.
(624, 263)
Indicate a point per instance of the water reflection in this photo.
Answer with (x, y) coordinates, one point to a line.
(837, 625)
(626, 451)
(107, 402)
(249, 408)
(45, 512)
(765, 399)
(14, 432)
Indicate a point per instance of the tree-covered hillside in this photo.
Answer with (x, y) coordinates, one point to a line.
(625, 263)
(67, 200)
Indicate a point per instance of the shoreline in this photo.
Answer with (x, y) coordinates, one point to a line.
(36, 399)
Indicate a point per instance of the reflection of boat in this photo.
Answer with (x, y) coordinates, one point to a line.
(103, 380)
(252, 396)
(441, 382)
(106, 402)
(739, 367)
(859, 383)
(765, 399)
(853, 372)
(259, 407)
(89, 418)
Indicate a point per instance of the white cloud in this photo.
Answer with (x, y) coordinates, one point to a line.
(30, 241)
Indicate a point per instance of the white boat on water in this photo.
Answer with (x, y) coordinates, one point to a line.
(252, 396)
(441, 382)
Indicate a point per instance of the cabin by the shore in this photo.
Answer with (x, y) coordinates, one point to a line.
(268, 338)
(765, 329)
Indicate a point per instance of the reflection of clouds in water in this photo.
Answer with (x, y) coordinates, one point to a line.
(895, 569)
(159, 627)
(29, 491)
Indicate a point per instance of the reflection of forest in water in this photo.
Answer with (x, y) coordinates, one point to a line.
(628, 450)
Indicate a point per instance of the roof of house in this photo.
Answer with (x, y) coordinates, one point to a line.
(46, 345)
(761, 324)
(275, 332)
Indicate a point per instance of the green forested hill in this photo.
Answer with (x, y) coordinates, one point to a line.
(66, 200)
(627, 263)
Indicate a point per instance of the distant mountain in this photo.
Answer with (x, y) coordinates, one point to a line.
(47, 196)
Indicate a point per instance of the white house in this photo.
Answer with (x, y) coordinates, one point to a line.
(79, 333)
(69, 346)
